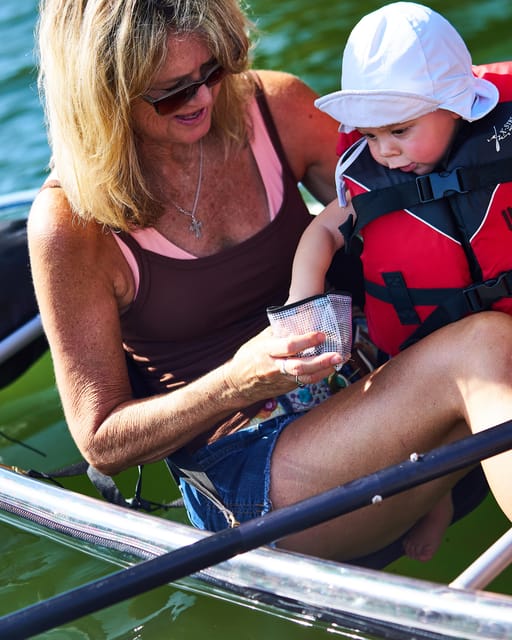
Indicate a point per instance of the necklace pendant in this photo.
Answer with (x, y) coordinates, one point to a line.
(195, 224)
(195, 227)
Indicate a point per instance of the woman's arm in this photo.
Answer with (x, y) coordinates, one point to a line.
(82, 283)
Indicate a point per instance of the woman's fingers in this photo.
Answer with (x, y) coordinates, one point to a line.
(308, 370)
(304, 370)
(284, 347)
(269, 365)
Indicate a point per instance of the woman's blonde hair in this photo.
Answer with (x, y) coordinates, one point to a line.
(95, 58)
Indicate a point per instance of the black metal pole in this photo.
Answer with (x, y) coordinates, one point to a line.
(221, 546)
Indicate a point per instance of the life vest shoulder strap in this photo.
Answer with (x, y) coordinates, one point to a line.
(423, 189)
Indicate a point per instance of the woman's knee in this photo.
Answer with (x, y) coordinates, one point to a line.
(488, 334)
(477, 349)
(489, 323)
(482, 335)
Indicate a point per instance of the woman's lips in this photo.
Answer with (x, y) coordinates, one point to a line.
(192, 118)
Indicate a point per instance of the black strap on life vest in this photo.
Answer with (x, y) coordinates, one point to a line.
(400, 297)
(371, 205)
(451, 303)
(476, 297)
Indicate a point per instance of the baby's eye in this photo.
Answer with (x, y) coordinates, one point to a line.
(400, 131)
(369, 136)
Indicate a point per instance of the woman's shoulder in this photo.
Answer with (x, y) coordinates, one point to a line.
(285, 90)
(291, 102)
(63, 245)
(53, 224)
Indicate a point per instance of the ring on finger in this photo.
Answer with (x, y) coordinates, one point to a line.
(282, 367)
(299, 382)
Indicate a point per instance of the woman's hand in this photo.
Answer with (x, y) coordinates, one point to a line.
(268, 366)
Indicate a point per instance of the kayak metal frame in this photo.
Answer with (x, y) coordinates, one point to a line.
(307, 589)
(489, 565)
(22, 337)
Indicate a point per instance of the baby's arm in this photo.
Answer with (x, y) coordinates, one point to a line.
(315, 251)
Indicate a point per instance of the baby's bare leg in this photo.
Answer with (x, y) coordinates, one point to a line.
(424, 539)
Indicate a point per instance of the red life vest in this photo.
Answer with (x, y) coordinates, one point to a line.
(437, 247)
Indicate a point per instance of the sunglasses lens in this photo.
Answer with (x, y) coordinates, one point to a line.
(172, 103)
(215, 77)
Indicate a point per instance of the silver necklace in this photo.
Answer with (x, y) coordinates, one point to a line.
(195, 224)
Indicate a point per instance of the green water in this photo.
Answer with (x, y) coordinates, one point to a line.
(295, 35)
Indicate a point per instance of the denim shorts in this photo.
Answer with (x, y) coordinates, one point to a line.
(238, 465)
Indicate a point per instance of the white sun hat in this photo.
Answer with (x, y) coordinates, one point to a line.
(401, 62)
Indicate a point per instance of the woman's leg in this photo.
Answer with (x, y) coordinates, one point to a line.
(421, 399)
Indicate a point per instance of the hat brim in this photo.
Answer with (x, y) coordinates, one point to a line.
(361, 109)
(373, 109)
(486, 98)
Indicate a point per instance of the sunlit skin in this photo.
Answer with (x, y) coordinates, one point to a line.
(416, 146)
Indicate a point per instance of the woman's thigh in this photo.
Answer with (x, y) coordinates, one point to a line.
(420, 399)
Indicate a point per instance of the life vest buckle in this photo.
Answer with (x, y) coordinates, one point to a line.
(435, 186)
(482, 295)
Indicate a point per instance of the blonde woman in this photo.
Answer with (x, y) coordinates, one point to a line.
(167, 226)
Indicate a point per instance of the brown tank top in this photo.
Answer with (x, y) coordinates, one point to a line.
(190, 316)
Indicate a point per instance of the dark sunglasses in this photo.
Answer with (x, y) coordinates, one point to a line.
(176, 98)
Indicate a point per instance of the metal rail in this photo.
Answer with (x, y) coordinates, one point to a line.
(317, 589)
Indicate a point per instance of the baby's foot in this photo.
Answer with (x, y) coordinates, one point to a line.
(424, 539)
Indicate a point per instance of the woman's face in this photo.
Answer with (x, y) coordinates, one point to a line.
(188, 60)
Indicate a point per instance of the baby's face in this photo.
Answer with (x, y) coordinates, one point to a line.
(415, 146)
